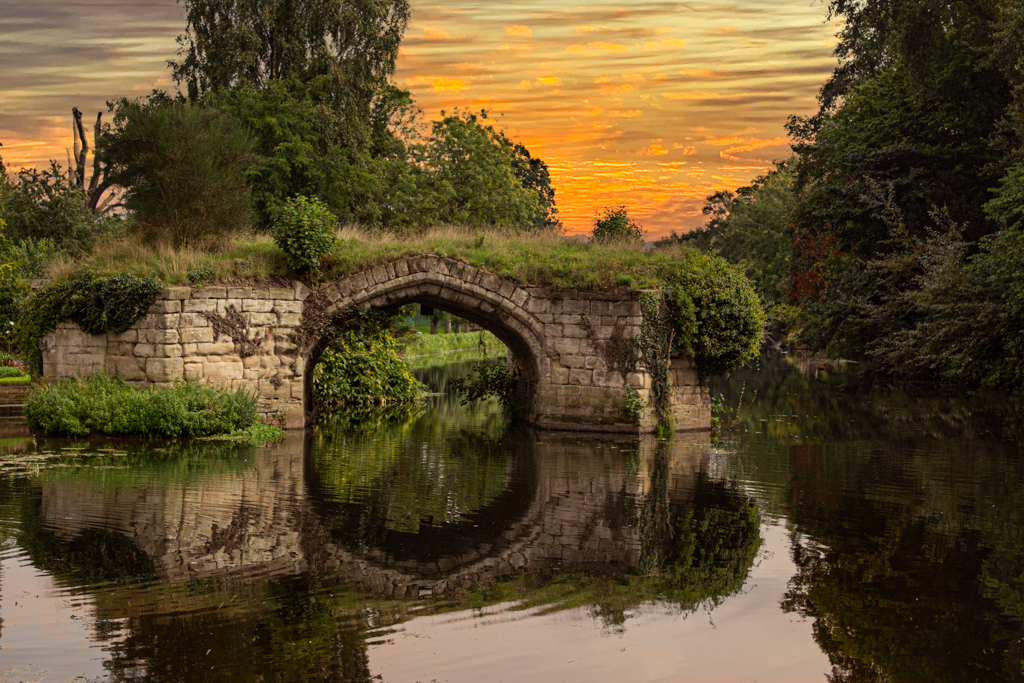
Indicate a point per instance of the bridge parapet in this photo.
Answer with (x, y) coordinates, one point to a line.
(563, 343)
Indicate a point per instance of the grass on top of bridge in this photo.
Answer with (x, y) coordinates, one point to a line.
(530, 258)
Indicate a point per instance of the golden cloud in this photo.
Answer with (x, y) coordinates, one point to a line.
(655, 150)
(596, 46)
(518, 30)
(729, 154)
(439, 83)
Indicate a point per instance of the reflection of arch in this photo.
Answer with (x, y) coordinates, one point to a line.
(480, 297)
(569, 506)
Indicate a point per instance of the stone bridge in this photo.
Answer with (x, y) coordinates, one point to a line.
(561, 342)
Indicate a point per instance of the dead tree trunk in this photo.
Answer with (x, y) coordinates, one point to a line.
(97, 184)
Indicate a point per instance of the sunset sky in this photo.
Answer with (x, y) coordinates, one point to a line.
(654, 105)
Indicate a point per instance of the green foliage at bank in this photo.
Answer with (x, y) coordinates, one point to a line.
(433, 344)
(363, 370)
(893, 234)
(102, 404)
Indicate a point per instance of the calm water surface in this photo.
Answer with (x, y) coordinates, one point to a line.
(837, 531)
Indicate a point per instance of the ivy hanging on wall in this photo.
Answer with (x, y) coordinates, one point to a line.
(655, 343)
(98, 305)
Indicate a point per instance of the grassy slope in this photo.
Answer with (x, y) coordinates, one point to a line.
(540, 259)
(429, 344)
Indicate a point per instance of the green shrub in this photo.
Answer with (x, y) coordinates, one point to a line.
(41, 205)
(10, 371)
(305, 232)
(614, 227)
(714, 312)
(184, 169)
(103, 404)
(363, 371)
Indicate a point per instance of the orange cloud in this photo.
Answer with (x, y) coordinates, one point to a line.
(434, 34)
(627, 114)
(518, 30)
(697, 73)
(697, 96)
(549, 81)
(655, 150)
(439, 83)
(596, 46)
(723, 142)
(750, 146)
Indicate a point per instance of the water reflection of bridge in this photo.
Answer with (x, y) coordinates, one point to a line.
(568, 505)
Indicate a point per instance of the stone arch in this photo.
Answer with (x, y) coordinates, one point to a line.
(497, 305)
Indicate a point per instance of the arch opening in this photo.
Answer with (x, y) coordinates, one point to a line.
(521, 334)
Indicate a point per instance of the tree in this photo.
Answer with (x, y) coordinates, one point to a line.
(184, 168)
(533, 174)
(470, 177)
(235, 43)
(299, 141)
(614, 226)
(48, 205)
(750, 228)
(98, 184)
(915, 128)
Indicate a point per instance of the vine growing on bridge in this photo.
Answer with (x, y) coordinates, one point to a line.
(98, 305)
(655, 344)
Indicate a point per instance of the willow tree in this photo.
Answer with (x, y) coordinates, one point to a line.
(239, 43)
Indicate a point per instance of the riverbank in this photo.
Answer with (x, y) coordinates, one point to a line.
(424, 345)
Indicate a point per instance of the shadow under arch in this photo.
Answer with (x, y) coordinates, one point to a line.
(496, 309)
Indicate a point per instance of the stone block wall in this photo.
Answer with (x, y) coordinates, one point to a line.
(177, 342)
(562, 343)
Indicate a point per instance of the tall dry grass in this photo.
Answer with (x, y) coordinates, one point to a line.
(245, 257)
(525, 257)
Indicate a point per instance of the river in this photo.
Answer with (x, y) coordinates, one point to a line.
(837, 530)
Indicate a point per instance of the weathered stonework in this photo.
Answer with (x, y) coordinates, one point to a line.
(558, 343)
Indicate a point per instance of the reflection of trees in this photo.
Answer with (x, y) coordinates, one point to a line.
(411, 473)
(899, 574)
(845, 403)
(701, 552)
(906, 512)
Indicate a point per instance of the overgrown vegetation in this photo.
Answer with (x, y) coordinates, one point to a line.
(614, 226)
(893, 235)
(304, 232)
(98, 305)
(184, 170)
(103, 404)
(363, 370)
(715, 312)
